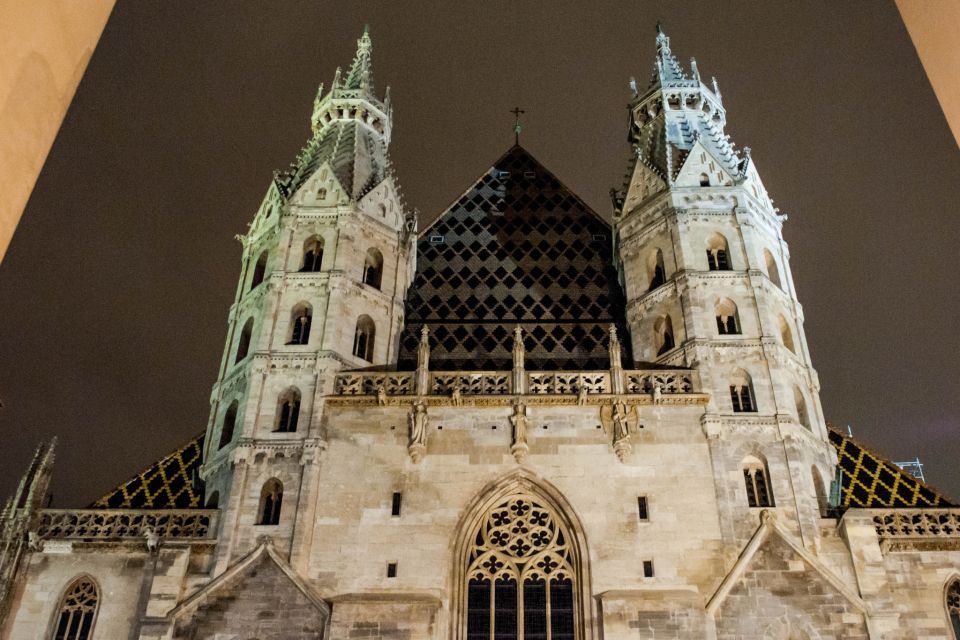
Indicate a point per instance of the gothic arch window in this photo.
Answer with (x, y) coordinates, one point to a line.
(655, 270)
(373, 268)
(718, 253)
(78, 610)
(312, 254)
(521, 574)
(288, 411)
(772, 272)
(728, 319)
(756, 479)
(663, 334)
(228, 425)
(953, 606)
(786, 336)
(300, 321)
(820, 490)
(364, 337)
(741, 393)
(259, 271)
(803, 416)
(271, 499)
(243, 344)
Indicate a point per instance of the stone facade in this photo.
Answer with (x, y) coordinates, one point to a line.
(679, 491)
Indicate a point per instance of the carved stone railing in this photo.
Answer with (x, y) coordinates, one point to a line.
(920, 529)
(102, 525)
(670, 382)
(471, 382)
(358, 384)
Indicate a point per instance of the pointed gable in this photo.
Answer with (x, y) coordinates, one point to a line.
(518, 248)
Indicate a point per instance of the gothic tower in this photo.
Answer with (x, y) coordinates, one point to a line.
(326, 265)
(708, 285)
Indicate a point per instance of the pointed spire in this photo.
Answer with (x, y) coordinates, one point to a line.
(668, 67)
(360, 74)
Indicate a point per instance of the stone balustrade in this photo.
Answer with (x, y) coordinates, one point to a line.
(908, 529)
(102, 525)
(670, 382)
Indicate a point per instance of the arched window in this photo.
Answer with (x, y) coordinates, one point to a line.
(655, 269)
(802, 415)
(243, 345)
(259, 271)
(741, 393)
(772, 272)
(271, 499)
(704, 180)
(312, 254)
(953, 606)
(78, 610)
(786, 336)
(663, 334)
(758, 485)
(364, 337)
(728, 320)
(718, 253)
(373, 268)
(288, 412)
(300, 320)
(228, 426)
(214, 500)
(820, 490)
(521, 574)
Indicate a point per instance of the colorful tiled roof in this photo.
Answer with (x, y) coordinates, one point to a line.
(167, 484)
(871, 481)
(518, 248)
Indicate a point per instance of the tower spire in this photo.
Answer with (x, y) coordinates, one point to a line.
(360, 74)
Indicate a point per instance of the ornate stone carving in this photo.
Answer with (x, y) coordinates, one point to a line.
(619, 420)
(417, 420)
(520, 423)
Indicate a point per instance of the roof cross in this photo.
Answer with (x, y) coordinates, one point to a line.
(516, 111)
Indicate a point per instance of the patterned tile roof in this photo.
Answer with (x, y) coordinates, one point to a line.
(518, 248)
(167, 484)
(871, 481)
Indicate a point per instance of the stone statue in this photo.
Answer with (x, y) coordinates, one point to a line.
(34, 541)
(581, 395)
(520, 423)
(657, 393)
(152, 538)
(381, 396)
(455, 396)
(417, 419)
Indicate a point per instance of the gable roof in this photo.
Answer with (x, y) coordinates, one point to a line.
(871, 481)
(518, 248)
(166, 484)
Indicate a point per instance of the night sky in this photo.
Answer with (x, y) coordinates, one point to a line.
(115, 290)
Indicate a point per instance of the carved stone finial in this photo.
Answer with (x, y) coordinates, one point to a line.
(519, 355)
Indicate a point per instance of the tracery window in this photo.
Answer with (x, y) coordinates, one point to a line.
(312, 254)
(288, 413)
(77, 611)
(758, 487)
(520, 575)
(953, 606)
(363, 338)
(717, 253)
(271, 499)
(300, 333)
(373, 268)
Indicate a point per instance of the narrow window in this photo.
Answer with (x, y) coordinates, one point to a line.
(802, 416)
(288, 413)
(786, 336)
(658, 275)
(741, 393)
(302, 317)
(663, 334)
(819, 489)
(648, 568)
(395, 506)
(243, 345)
(642, 508)
(758, 489)
(363, 338)
(391, 569)
(953, 606)
(772, 272)
(228, 425)
(77, 611)
(373, 268)
(704, 180)
(728, 319)
(312, 255)
(259, 271)
(271, 499)
(717, 253)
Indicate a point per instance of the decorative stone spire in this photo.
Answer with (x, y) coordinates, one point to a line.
(519, 369)
(360, 75)
(616, 364)
(423, 362)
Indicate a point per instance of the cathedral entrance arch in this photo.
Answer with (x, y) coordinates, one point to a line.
(520, 565)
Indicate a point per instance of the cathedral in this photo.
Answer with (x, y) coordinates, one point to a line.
(522, 421)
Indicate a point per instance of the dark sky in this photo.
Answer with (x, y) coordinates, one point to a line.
(115, 290)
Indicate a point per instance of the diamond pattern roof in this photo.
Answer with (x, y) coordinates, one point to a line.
(167, 484)
(870, 481)
(518, 248)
